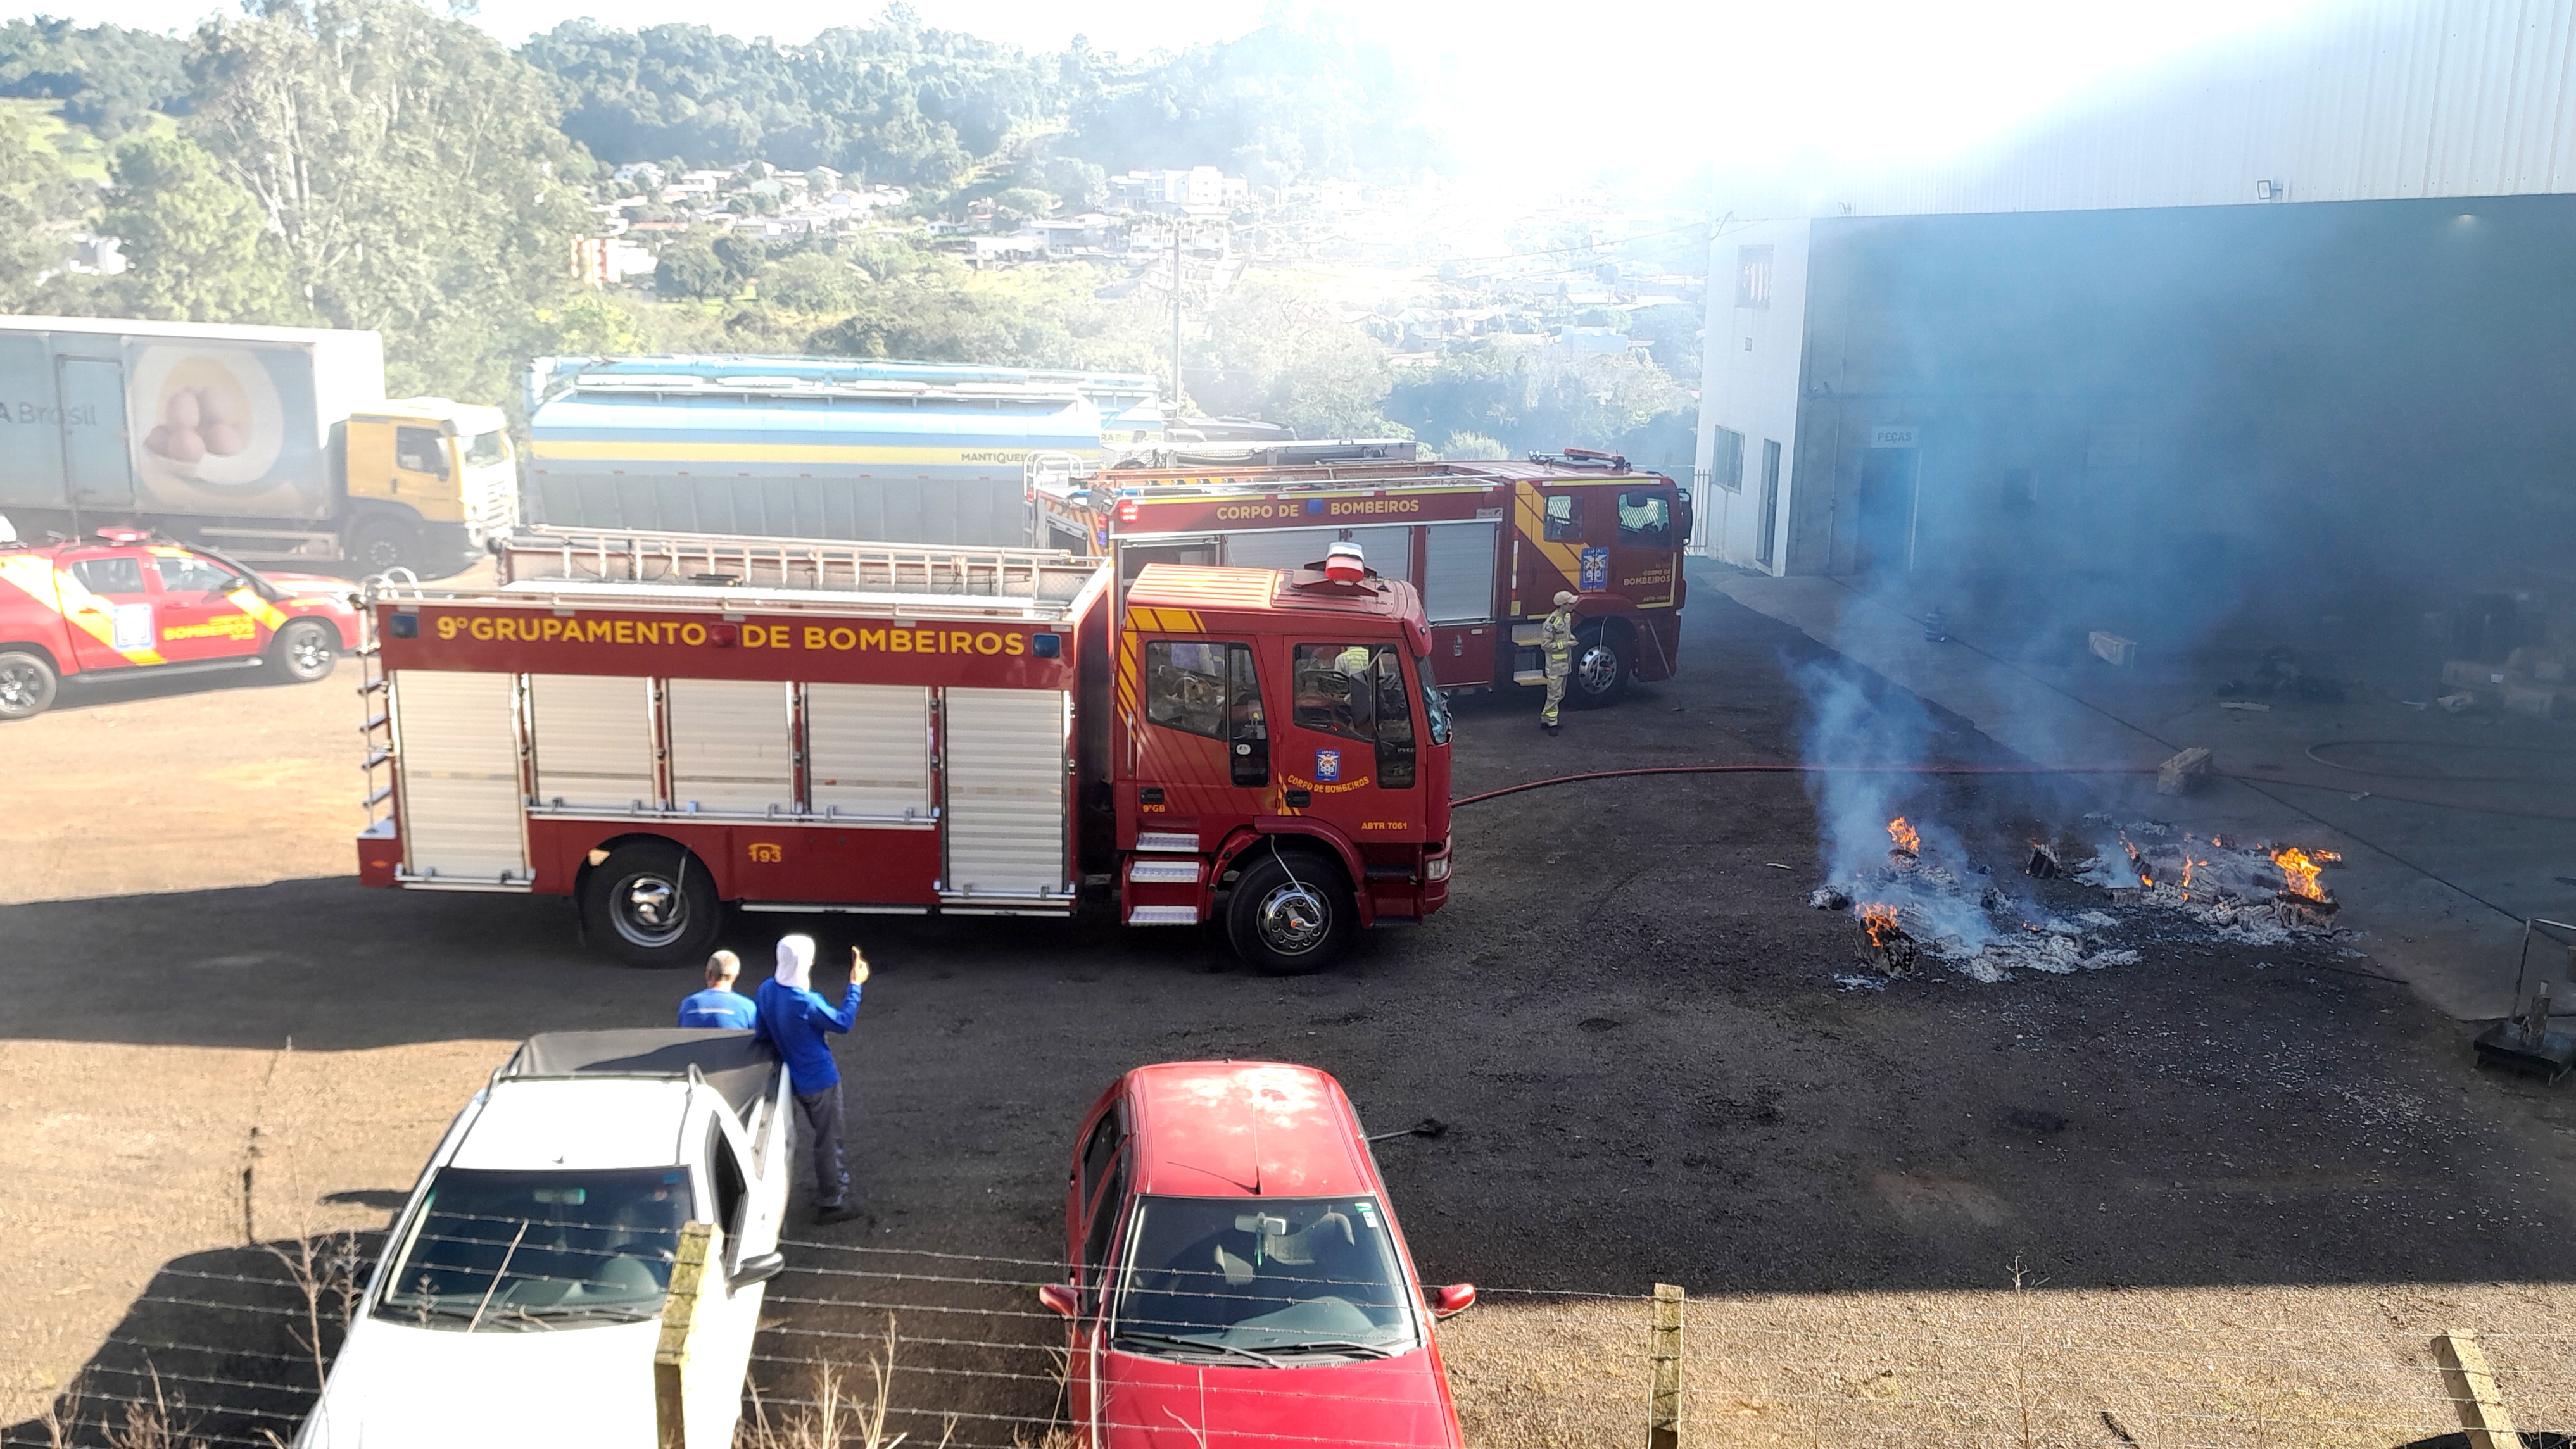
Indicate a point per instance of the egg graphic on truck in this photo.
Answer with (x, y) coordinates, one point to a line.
(208, 417)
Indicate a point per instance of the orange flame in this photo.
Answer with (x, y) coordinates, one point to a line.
(1880, 921)
(2300, 868)
(1905, 836)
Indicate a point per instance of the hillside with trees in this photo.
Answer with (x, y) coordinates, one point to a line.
(378, 164)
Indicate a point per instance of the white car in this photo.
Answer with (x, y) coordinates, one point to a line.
(520, 1294)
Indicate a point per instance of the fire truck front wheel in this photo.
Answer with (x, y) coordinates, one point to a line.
(652, 903)
(27, 683)
(1603, 660)
(1291, 913)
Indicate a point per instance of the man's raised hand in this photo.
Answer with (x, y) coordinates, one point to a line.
(858, 967)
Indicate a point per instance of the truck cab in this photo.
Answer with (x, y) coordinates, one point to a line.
(430, 482)
(1281, 742)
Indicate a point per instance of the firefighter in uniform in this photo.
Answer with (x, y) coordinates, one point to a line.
(1556, 641)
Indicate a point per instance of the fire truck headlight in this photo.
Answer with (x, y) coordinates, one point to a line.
(1437, 868)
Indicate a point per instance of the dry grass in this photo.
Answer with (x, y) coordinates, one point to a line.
(2315, 1368)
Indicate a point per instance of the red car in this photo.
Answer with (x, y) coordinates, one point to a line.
(1238, 1280)
(127, 603)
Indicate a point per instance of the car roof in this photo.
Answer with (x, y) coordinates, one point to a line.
(532, 1125)
(1244, 1129)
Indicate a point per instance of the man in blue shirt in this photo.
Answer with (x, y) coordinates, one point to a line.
(793, 1020)
(719, 1005)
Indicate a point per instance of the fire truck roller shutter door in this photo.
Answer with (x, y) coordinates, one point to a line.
(458, 758)
(732, 746)
(593, 738)
(1388, 547)
(867, 750)
(1458, 572)
(1277, 548)
(1006, 791)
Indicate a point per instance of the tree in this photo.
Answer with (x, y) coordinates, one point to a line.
(108, 78)
(37, 204)
(689, 268)
(195, 248)
(1281, 352)
(411, 170)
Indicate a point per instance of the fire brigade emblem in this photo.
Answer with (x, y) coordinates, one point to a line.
(1328, 765)
(1596, 571)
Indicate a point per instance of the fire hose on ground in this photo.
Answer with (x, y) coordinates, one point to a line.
(2006, 770)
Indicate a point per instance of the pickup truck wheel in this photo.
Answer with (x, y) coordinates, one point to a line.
(305, 650)
(27, 684)
(1291, 913)
(652, 904)
(1601, 669)
(384, 543)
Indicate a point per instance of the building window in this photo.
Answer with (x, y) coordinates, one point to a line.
(1726, 459)
(1753, 277)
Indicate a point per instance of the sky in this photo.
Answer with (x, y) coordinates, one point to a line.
(1539, 84)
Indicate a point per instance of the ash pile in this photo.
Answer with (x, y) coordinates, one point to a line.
(1929, 903)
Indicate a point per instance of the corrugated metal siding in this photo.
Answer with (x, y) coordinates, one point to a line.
(1005, 771)
(867, 750)
(458, 753)
(2370, 101)
(1458, 572)
(731, 746)
(593, 739)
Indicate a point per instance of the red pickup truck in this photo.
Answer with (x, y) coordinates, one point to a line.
(126, 603)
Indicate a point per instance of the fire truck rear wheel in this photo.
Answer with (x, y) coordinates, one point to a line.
(1291, 913)
(305, 650)
(27, 684)
(1601, 668)
(652, 904)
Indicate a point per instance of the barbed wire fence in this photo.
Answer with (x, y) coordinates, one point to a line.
(867, 1346)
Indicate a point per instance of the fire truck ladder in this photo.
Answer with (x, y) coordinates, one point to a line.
(726, 560)
(375, 700)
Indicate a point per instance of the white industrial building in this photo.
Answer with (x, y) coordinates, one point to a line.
(2316, 283)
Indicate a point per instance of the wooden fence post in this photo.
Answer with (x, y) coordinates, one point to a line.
(698, 1267)
(1664, 1406)
(2472, 1387)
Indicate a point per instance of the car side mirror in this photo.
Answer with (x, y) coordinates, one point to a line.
(1452, 1300)
(1061, 1298)
(758, 1269)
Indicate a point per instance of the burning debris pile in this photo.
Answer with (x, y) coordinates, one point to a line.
(1911, 907)
(1918, 895)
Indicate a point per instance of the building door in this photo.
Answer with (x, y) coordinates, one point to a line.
(1888, 507)
(97, 473)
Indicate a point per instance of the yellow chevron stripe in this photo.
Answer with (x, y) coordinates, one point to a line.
(258, 608)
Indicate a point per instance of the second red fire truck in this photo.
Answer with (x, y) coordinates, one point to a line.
(1488, 545)
(661, 725)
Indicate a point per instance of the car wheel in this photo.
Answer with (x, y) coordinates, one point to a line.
(652, 904)
(305, 650)
(27, 684)
(1291, 913)
(1601, 669)
(385, 543)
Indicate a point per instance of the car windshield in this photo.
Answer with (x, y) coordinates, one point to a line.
(500, 1251)
(1263, 1277)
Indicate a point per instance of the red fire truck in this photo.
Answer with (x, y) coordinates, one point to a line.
(660, 725)
(1487, 544)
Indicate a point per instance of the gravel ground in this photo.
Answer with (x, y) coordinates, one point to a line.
(1627, 1018)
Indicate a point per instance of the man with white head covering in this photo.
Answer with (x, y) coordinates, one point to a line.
(794, 1020)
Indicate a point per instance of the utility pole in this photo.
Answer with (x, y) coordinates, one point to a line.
(1176, 317)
